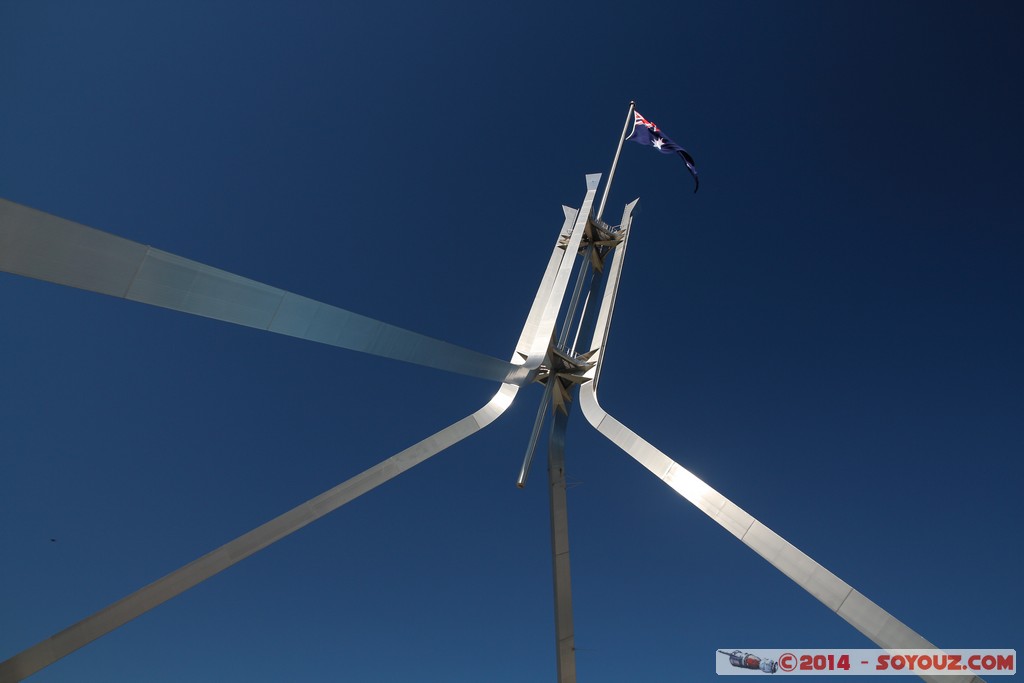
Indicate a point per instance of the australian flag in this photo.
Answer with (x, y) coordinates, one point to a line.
(646, 133)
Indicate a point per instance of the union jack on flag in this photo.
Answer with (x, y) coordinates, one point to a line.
(647, 133)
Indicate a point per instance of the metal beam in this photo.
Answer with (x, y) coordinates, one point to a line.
(565, 637)
(41, 246)
(874, 622)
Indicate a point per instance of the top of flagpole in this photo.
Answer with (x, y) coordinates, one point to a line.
(615, 161)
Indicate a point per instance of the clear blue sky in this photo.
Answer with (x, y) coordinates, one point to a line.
(830, 332)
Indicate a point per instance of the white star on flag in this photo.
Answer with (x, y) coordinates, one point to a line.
(649, 135)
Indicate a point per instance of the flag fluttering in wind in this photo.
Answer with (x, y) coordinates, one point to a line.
(646, 133)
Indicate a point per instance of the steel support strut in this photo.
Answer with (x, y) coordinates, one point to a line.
(874, 622)
(42, 246)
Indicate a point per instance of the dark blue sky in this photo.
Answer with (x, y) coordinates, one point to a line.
(830, 332)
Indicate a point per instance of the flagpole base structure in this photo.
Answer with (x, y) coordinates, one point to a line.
(531, 349)
(864, 615)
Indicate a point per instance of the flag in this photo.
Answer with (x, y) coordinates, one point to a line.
(646, 133)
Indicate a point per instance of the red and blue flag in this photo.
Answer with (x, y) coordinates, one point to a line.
(648, 134)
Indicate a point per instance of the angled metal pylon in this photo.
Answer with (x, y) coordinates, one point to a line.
(530, 351)
(44, 247)
(878, 625)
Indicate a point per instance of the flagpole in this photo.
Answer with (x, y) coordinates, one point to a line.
(615, 161)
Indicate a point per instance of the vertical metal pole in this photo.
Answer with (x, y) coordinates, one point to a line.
(565, 636)
(583, 317)
(615, 161)
(570, 313)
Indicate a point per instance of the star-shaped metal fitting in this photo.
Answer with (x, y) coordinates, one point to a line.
(567, 371)
(599, 235)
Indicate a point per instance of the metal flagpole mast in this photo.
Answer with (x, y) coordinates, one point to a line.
(574, 301)
(565, 637)
(615, 161)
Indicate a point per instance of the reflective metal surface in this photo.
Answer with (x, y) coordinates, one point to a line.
(547, 321)
(565, 636)
(874, 622)
(535, 335)
(531, 445)
(41, 246)
(572, 245)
